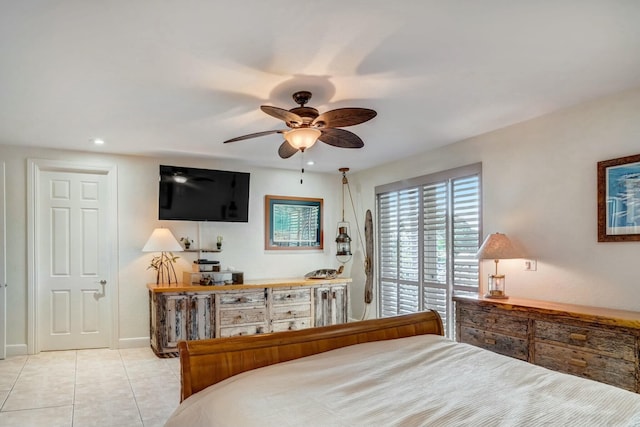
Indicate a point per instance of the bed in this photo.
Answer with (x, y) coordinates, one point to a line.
(397, 371)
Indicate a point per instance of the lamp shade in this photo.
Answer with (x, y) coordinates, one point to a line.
(498, 246)
(302, 138)
(162, 240)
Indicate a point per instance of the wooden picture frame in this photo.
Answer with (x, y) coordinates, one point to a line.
(619, 199)
(293, 223)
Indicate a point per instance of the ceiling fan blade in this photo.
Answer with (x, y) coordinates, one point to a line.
(282, 114)
(254, 135)
(340, 138)
(286, 150)
(341, 117)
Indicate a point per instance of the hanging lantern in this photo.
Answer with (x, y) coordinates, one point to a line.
(343, 242)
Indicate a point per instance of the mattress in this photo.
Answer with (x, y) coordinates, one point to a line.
(424, 380)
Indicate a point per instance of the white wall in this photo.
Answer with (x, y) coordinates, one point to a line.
(137, 217)
(539, 183)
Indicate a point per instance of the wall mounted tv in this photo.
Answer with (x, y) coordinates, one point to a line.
(191, 194)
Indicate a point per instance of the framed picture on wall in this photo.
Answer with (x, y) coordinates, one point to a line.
(619, 199)
(292, 223)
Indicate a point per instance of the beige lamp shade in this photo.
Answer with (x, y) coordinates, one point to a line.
(162, 240)
(498, 246)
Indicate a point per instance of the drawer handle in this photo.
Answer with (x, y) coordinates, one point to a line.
(578, 362)
(491, 320)
(578, 337)
(289, 312)
(242, 299)
(490, 341)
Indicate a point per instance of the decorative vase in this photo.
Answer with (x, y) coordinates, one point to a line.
(219, 245)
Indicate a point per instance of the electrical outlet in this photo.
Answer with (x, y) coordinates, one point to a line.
(530, 265)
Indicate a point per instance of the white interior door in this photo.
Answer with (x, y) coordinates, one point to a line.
(3, 268)
(73, 307)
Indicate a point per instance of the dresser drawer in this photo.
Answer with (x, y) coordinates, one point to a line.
(242, 330)
(286, 312)
(493, 319)
(243, 298)
(496, 342)
(609, 370)
(287, 296)
(610, 343)
(241, 316)
(292, 325)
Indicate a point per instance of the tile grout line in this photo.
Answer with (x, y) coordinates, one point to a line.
(133, 393)
(14, 383)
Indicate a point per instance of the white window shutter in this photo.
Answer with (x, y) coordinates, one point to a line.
(428, 236)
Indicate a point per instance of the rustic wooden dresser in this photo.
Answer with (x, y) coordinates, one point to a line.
(193, 312)
(597, 343)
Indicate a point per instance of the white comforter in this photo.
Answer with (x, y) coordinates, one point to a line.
(419, 381)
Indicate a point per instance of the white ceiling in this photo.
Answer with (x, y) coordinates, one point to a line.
(178, 77)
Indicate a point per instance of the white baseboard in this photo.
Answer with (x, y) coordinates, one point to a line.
(17, 350)
(134, 342)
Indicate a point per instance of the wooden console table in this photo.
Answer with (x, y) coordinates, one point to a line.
(193, 312)
(597, 343)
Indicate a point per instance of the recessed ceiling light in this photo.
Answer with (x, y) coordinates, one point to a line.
(98, 141)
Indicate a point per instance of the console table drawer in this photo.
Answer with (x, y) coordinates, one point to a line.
(287, 312)
(598, 367)
(292, 325)
(241, 316)
(494, 320)
(496, 342)
(610, 343)
(287, 296)
(242, 330)
(243, 298)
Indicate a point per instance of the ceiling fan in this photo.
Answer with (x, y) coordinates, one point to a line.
(307, 125)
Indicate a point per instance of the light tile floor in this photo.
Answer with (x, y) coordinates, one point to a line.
(110, 388)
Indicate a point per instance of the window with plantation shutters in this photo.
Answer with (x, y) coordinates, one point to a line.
(428, 236)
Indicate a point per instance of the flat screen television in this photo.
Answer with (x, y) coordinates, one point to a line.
(191, 194)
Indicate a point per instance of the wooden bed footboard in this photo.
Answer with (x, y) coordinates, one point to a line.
(206, 362)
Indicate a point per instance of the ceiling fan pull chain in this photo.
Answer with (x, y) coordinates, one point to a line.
(301, 166)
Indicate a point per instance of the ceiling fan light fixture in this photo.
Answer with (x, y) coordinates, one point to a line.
(302, 138)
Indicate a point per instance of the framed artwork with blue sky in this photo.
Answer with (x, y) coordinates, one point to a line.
(619, 199)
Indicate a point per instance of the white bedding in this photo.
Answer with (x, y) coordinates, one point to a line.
(418, 381)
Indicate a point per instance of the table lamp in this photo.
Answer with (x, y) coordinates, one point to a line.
(163, 241)
(497, 246)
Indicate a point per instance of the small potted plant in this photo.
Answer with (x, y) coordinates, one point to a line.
(186, 241)
(219, 242)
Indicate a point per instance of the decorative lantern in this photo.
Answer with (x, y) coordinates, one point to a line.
(343, 242)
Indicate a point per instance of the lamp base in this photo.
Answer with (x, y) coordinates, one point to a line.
(496, 285)
(488, 295)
